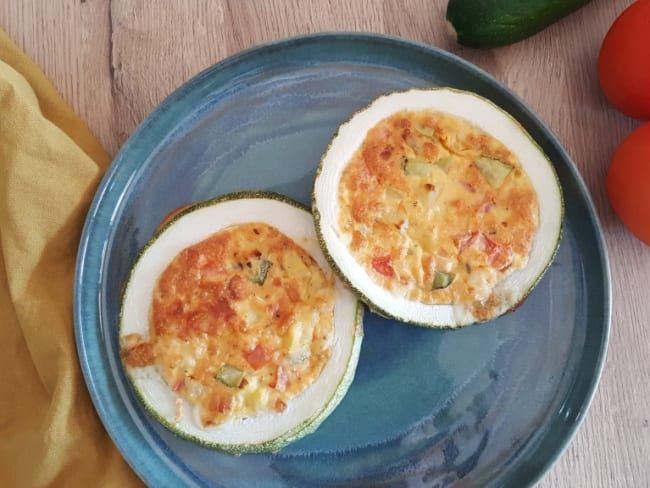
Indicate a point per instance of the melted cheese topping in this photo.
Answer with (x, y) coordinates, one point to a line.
(240, 323)
(436, 210)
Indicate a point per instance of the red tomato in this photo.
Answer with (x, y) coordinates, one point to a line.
(280, 381)
(178, 386)
(628, 182)
(463, 241)
(256, 357)
(624, 61)
(383, 265)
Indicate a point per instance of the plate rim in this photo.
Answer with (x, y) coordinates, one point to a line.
(86, 359)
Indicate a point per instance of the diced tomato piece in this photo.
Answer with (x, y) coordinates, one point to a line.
(501, 259)
(383, 265)
(220, 403)
(178, 386)
(463, 241)
(281, 380)
(280, 406)
(499, 256)
(488, 245)
(256, 357)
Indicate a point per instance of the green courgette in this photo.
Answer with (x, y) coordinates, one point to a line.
(442, 279)
(494, 23)
(493, 170)
(258, 270)
(229, 375)
(417, 166)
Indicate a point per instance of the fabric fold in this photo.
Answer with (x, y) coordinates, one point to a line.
(50, 166)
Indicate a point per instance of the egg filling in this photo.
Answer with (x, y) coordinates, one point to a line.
(240, 324)
(436, 210)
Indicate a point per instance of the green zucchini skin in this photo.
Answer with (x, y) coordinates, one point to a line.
(495, 23)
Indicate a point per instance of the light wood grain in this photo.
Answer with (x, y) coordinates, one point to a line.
(114, 61)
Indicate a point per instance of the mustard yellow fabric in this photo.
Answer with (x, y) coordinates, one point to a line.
(50, 165)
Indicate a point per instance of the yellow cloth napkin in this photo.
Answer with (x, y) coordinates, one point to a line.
(50, 165)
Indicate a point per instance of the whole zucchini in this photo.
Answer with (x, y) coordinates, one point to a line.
(494, 23)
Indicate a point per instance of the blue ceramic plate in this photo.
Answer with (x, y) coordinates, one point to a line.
(488, 405)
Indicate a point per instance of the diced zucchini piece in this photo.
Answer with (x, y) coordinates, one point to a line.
(443, 162)
(417, 166)
(493, 170)
(259, 269)
(229, 375)
(442, 279)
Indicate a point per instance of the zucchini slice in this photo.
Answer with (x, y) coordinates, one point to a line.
(401, 288)
(171, 402)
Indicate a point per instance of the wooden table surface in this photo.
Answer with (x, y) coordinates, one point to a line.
(115, 60)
